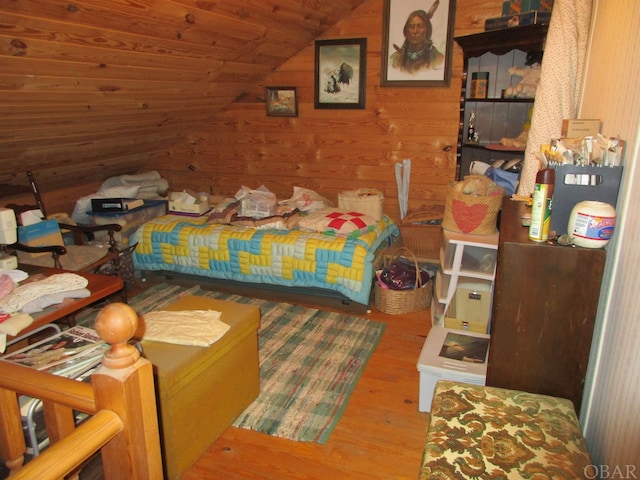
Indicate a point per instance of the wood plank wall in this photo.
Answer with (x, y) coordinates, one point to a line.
(91, 90)
(614, 367)
(334, 150)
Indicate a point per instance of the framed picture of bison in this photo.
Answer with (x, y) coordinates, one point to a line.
(340, 73)
(417, 42)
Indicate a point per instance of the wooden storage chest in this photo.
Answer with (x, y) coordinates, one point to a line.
(201, 391)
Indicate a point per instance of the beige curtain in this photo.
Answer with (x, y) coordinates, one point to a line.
(560, 80)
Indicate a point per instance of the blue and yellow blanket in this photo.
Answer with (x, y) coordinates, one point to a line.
(293, 258)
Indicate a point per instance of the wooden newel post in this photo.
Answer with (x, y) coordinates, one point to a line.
(124, 384)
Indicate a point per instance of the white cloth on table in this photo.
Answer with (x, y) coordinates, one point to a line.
(23, 294)
(186, 327)
(40, 303)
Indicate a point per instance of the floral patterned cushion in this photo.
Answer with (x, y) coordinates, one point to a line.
(487, 433)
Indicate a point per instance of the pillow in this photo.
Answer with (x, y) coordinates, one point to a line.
(337, 222)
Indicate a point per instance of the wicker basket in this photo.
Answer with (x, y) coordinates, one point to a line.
(423, 239)
(398, 302)
(472, 206)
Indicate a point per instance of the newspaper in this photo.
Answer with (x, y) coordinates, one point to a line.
(68, 353)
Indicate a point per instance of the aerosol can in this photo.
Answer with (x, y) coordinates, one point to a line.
(541, 207)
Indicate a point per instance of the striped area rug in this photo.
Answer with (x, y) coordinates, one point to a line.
(310, 362)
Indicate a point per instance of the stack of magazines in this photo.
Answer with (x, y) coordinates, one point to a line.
(69, 353)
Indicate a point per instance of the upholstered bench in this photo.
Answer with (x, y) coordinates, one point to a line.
(200, 391)
(486, 432)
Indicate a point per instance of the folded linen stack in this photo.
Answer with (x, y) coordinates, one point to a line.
(17, 303)
(150, 184)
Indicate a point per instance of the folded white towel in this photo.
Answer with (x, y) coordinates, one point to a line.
(189, 327)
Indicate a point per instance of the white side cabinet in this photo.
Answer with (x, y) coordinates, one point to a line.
(466, 271)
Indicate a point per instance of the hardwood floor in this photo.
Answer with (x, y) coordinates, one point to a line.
(380, 435)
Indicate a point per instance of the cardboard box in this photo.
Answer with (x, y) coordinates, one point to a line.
(471, 307)
(575, 128)
(433, 366)
(516, 7)
(198, 208)
(529, 18)
(39, 234)
(537, 5)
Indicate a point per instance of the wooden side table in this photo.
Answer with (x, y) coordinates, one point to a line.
(100, 286)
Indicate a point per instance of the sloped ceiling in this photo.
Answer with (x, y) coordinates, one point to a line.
(107, 82)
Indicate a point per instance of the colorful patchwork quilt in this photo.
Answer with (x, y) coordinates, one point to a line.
(293, 258)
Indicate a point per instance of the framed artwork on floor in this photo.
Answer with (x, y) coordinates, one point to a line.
(417, 43)
(340, 73)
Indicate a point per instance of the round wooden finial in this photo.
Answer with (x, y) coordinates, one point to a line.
(116, 324)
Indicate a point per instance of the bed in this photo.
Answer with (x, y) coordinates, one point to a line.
(292, 258)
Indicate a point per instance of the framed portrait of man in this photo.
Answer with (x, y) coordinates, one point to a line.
(417, 43)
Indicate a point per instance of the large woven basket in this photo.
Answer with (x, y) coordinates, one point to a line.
(398, 302)
(423, 239)
(472, 205)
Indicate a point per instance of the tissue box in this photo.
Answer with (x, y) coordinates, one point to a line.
(178, 205)
(40, 234)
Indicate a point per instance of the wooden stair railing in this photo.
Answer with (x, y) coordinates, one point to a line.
(120, 400)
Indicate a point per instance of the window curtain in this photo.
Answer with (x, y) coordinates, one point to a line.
(561, 76)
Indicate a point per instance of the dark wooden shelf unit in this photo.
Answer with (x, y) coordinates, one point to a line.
(496, 117)
(544, 310)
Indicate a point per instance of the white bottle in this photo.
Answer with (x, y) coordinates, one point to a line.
(591, 224)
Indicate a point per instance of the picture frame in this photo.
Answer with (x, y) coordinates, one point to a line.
(340, 73)
(281, 101)
(422, 57)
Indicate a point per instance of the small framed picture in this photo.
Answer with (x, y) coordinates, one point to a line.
(417, 43)
(340, 73)
(282, 101)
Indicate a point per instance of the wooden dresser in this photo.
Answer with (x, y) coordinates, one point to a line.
(544, 309)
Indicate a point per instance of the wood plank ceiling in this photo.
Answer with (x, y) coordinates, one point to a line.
(109, 82)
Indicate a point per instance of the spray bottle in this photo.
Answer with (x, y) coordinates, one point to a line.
(541, 207)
